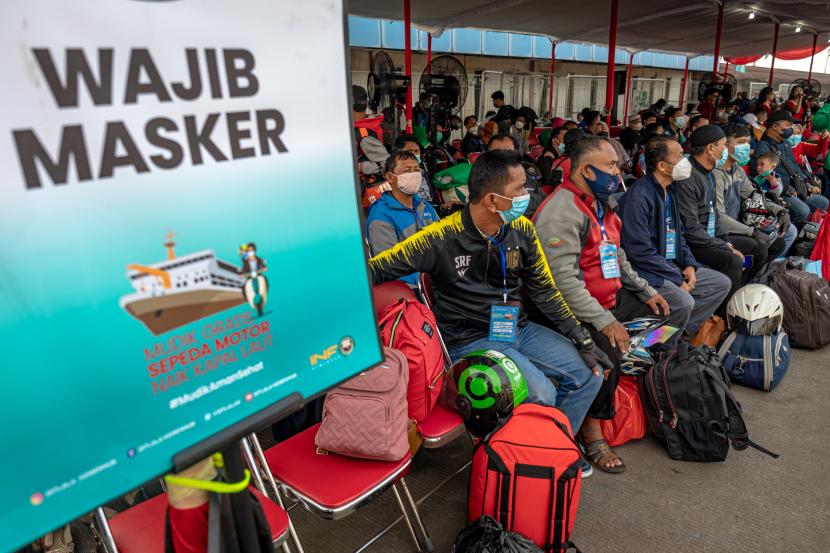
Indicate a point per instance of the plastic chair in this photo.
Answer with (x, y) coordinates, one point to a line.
(140, 529)
(473, 156)
(334, 486)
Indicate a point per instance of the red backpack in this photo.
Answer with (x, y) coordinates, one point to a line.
(409, 327)
(526, 475)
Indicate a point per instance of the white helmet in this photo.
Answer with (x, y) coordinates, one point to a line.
(756, 309)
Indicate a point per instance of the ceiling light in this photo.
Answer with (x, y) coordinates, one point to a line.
(752, 15)
(798, 29)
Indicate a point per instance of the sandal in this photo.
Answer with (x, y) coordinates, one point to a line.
(599, 453)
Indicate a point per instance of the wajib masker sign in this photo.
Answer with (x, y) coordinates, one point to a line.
(181, 241)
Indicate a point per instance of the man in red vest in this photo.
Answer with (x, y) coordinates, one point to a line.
(580, 235)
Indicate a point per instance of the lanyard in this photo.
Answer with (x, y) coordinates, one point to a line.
(710, 192)
(601, 224)
(503, 259)
(668, 211)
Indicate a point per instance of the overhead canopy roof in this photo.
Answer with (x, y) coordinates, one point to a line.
(680, 26)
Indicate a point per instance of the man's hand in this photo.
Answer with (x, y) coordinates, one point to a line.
(593, 357)
(736, 252)
(658, 303)
(617, 335)
(691, 278)
(825, 134)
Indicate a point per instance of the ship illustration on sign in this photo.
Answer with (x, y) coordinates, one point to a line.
(180, 290)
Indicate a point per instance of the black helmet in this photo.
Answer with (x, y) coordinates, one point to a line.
(486, 386)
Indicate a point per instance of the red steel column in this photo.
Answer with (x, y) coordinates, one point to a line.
(717, 41)
(429, 48)
(810, 74)
(407, 41)
(628, 86)
(612, 47)
(683, 85)
(552, 68)
(774, 52)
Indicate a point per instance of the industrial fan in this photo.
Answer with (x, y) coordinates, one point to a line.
(811, 88)
(445, 80)
(387, 89)
(725, 86)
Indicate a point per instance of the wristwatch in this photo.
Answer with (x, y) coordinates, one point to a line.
(581, 337)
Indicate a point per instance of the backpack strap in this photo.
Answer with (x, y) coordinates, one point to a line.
(504, 483)
(393, 313)
(736, 433)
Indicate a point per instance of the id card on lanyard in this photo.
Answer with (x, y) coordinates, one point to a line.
(710, 192)
(671, 232)
(504, 315)
(607, 250)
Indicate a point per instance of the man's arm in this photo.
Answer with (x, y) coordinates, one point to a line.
(381, 235)
(726, 224)
(687, 203)
(376, 153)
(416, 254)
(561, 244)
(631, 281)
(540, 286)
(636, 235)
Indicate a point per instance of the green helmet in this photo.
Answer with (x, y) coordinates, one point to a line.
(487, 385)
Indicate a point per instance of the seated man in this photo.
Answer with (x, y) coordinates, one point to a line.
(472, 141)
(733, 189)
(652, 236)
(799, 190)
(409, 143)
(696, 202)
(674, 123)
(371, 153)
(399, 213)
(508, 142)
(483, 260)
(630, 135)
(577, 228)
(517, 131)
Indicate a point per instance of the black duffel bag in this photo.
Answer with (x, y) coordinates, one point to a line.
(486, 535)
(690, 407)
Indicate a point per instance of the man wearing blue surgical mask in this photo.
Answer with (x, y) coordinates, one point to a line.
(580, 235)
(732, 187)
(696, 198)
(486, 266)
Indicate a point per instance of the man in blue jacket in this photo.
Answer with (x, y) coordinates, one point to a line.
(652, 236)
(401, 212)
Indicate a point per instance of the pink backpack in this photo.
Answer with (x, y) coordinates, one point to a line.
(409, 326)
(365, 416)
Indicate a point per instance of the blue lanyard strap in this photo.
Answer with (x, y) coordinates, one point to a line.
(668, 210)
(601, 224)
(710, 192)
(503, 258)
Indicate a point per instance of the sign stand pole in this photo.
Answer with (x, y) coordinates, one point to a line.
(227, 442)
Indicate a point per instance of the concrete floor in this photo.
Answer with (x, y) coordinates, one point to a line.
(749, 503)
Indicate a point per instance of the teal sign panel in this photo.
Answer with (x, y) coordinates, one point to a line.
(181, 239)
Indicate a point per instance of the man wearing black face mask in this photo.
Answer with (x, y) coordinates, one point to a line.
(798, 186)
(580, 235)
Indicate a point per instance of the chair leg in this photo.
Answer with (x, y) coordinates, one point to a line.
(256, 473)
(406, 517)
(104, 529)
(428, 545)
(260, 455)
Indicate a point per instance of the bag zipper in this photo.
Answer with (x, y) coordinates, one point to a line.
(768, 361)
(673, 422)
(650, 385)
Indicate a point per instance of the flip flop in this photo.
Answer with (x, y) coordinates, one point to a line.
(599, 453)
